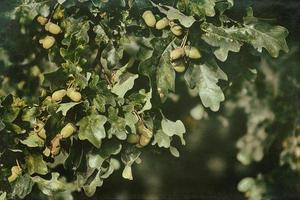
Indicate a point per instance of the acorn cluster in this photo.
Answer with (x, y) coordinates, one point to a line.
(48, 41)
(143, 137)
(67, 131)
(163, 23)
(72, 93)
(179, 53)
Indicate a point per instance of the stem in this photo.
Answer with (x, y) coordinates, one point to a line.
(184, 40)
(53, 11)
(96, 64)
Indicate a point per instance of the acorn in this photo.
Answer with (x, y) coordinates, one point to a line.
(133, 138)
(144, 141)
(16, 171)
(52, 28)
(47, 42)
(145, 135)
(176, 30)
(177, 53)
(42, 20)
(55, 145)
(68, 130)
(192, 52)
(142, 130)
(73, 94)
(149, 18)
(58, 95)
(179, 68)
(162, 23)
(55, 151)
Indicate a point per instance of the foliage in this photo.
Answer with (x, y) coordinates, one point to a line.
(108, 74)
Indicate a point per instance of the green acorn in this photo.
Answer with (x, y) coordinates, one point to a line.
(176, 30)
(133, 138)
(177, 53)
(47, 42)
(73, 94)
(67, 130)
(192, 52)
(52, 28)
(58, 95)
(42, 20)
(162, 23)
(179, 66)
(149, 18)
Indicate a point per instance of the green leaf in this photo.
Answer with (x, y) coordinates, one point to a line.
(61, 1)
(165, 74)
(22, 186)
(138, 6)
(100, 101)
(246, 184)
(15, 128)
(147, 105)
(161, 139)
(227, 39)
(174, 151)
(36, 164)
(117, 123)
(131, 119)
(264, 35)
(109, 148)
(124, 83)
(30, 114)
(127, 172)
(65, 107)
(201, 7)
(174, 14)
(3, 196)
(33, 140)
(10, 114)
(222, 6)
(90, 189)
(171, 128)
(111, 56)
(100, 35)
(92, 129)
(205, 77)
(96, 159)
(77, 29)
(54, 185)
(148, 66)
(55, 79)
(130, 155)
